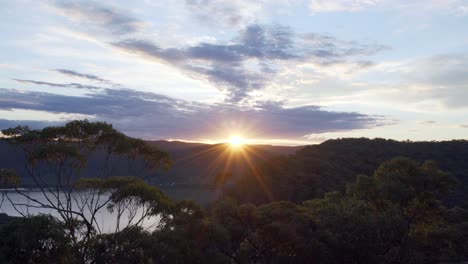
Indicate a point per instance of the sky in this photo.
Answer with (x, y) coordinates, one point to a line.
(281, 72)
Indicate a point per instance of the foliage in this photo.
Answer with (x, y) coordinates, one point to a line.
(315, 170)
(131, 245)
(55, 160)
(36, 239)
(9, 178)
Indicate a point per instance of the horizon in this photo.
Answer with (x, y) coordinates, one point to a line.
(307, 144)
(280, 73)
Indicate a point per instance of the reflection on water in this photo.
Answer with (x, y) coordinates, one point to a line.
(105, 222)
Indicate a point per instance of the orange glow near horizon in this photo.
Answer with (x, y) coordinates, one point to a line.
(228, 158)
(248, 141)
(236, 142)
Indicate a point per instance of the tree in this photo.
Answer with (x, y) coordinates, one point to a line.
(56, 159)
(355, 231)
(8, 178)
(401, 180)
(35, 239)
(187, 237)
(131, 245)
(414, 192)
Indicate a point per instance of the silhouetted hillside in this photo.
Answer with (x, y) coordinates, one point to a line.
(329, 166)
(296, 176)
(194, 163)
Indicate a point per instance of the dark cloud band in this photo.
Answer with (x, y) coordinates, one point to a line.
(156, 116)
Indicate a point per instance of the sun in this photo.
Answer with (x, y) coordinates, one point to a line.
(236, 141)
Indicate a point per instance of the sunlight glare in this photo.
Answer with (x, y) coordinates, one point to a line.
(236, 141)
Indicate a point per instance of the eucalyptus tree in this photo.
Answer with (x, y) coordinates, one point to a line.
(56, 161)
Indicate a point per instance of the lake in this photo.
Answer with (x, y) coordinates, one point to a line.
(106, 221)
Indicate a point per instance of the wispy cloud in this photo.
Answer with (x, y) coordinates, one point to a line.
(341, 5)
(227, 12)
(60, 85)
(454, 7)
(104, 17)
(250, 61)
(333, 50)
(91, 77)
(426, 122)
(439, 81)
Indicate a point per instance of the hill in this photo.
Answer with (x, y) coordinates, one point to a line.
(316, 169)
(290, 173)
(194, 163)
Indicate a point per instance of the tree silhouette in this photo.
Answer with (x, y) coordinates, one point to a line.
(56, 157)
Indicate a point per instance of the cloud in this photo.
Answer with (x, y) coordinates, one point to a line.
(226, 12)
(248, 62)
(255, 41)
(34, 124)
(153, 116)
(251, 60)
(441, 70)
(462, 10)
(341, 5)
(102, 17)
(327, 49)
(440, 80)
(454, 7)
(83, 75)
(59, 85)
(431, 84)
(426, 122)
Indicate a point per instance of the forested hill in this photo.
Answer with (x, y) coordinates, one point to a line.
(196, 163)
(193, 163)
(329, 166)
(301, 173)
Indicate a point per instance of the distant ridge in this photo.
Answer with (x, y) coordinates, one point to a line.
(194, 163)
(331, 165)
(323, 167)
